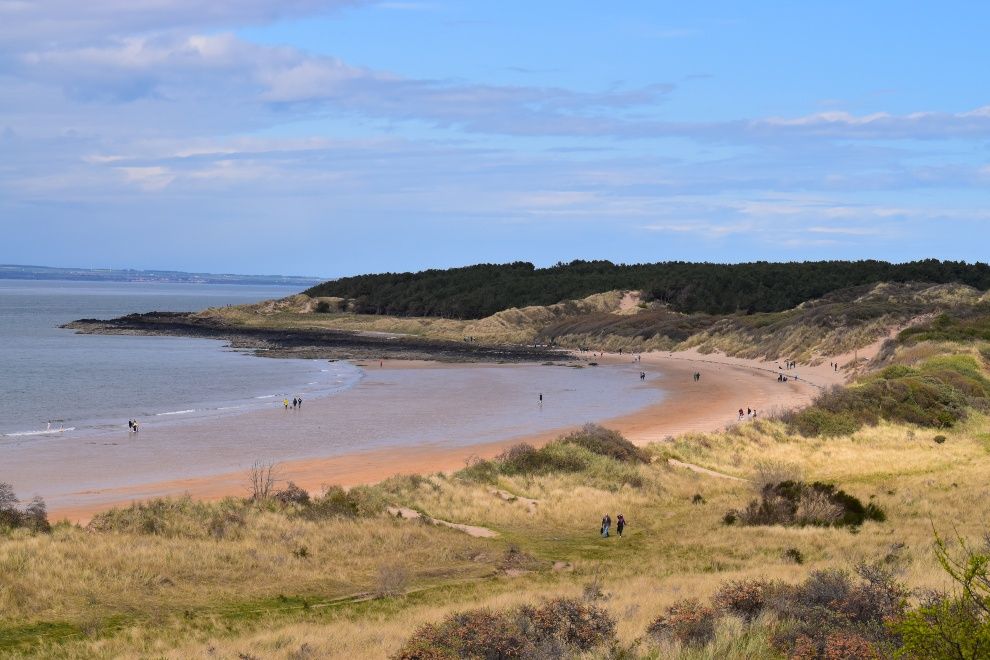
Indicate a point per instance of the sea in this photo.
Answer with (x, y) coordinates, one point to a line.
(56, 382)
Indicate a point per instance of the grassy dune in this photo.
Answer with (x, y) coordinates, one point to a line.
(838, 323)
(341, 577)
(180, 593)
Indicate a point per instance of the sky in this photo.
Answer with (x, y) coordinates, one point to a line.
(337, 137)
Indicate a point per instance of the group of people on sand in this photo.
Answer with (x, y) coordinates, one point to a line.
(834, 365)
(697, 376)
(132, 426)
(749, 414)
(296, 403)
(620, 525)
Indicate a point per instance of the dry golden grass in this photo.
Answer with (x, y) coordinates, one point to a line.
(134, 595)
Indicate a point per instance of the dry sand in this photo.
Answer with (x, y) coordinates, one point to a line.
(726, 384)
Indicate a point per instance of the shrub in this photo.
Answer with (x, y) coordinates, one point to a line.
(953, 625)
(323, 307)
(334, 502)
(794, 555)
(557, 629)
(33, 516)
(798, 503)
(606, 442)
(831, 615)
(291, 494)
(569, 623)
(687, 621)
(743, 598)
(936, 395)
(939, 439)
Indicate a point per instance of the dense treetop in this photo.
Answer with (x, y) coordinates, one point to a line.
(481, 290)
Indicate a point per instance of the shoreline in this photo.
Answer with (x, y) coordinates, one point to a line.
(726, 385)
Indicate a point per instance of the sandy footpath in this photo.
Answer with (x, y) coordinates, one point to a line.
(726, 384)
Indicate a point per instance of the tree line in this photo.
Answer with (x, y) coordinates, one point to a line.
(484, 289)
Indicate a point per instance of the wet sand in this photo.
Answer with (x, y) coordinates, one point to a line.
(726, 384)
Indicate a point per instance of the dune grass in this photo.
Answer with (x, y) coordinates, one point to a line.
(237, 579)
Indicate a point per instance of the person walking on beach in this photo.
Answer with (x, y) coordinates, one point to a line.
(541, 398)
(300, 403)
(620, 524)
(130, 425)
(135, 427)
(285, 402)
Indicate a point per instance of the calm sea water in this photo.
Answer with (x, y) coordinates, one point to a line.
(94, 383)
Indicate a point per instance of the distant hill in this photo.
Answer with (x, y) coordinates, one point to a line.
(17, 272)
(478, 291)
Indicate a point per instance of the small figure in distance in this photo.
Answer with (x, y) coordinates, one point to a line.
(620, 524)
(541, 398)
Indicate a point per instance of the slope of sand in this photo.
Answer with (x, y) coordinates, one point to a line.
(710, 404)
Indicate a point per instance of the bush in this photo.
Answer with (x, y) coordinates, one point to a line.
(935, 395)
(955, 625)
(687, 622)
(556, 629)
(832, 615)
(606, 442)
(798, 503)
(291, 494)
(334, 502)
(603, 456)
(939, 439)
(33, 516)
(744, 598)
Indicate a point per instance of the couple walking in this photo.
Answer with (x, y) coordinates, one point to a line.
(620, 524)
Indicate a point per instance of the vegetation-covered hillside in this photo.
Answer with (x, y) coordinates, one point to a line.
(484, 289)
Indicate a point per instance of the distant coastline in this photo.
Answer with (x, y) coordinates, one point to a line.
(22, 272)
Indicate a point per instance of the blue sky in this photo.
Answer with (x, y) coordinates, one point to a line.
(332, 137)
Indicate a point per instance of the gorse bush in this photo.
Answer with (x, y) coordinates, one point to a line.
(33, 515)
(936, 395)
(687, 622)
(799, 503)
(560, 628)
(604, 456)
(606, 442)
(961, 326)
(831, 615)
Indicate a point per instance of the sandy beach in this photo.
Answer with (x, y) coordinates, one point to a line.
(726, 384)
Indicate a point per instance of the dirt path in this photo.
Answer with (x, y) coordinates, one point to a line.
(509, 497)
(704, 470)
(470, 530)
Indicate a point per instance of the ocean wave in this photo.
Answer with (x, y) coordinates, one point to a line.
(176, 412)
(21, 434)
(266, 396)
